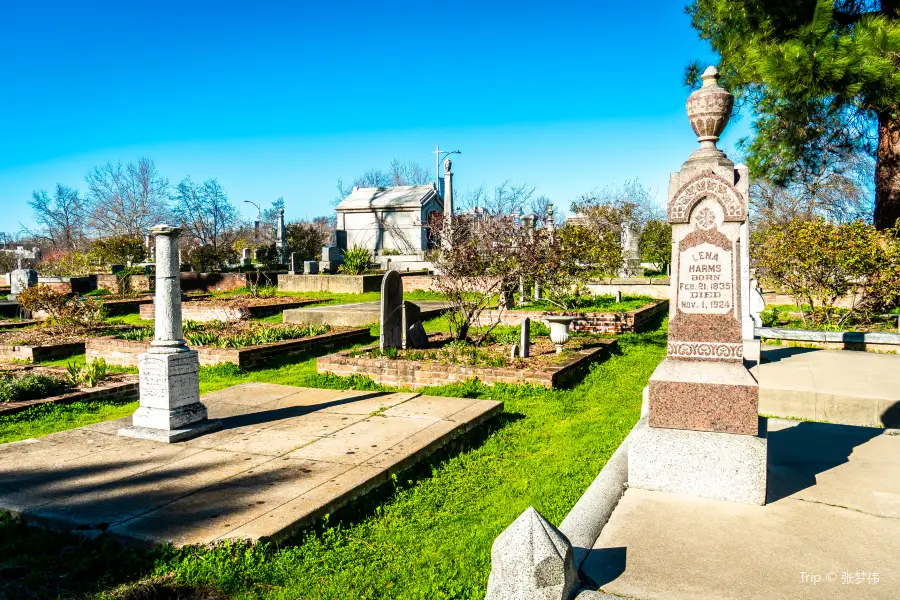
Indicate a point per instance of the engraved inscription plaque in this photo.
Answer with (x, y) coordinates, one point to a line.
(705, 281)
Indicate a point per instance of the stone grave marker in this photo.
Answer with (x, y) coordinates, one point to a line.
(416, 336)
(310, 267)
(704, 435)
(245, 258)
(20, 280)
(295, 264)
(411, 314)
(391, 311)
(525, 338)
(170, 409)
(514, 352)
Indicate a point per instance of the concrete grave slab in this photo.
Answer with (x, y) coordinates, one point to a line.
(284, 457)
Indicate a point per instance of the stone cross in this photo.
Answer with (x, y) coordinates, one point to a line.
(391, 311)
(704, 433)
(525, 338)
(170, 409)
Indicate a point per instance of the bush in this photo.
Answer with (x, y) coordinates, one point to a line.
(119, 250)
(123, 280)
(656, 244)
(65, 263)
(61, 310)
(30, 387)
(356, 261)
(819, 263)
(89, 374)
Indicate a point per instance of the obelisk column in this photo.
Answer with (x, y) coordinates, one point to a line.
(170, 409)
(704, 434)
(282, 238)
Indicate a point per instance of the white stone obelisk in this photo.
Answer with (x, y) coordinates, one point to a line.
(170, 409)
(281, 240)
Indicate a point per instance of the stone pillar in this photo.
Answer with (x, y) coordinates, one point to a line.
(448, 190)
(281, 238)
(705, 437)
(170, 409)
(525, 338)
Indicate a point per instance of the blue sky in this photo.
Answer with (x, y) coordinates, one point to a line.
(283, 98)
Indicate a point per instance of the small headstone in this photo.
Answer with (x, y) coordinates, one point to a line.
(514, 352)
(411, 314)
(525, 339)
(326, 266)
(416, 336)
(332, 254)
(310, 267)
(116, 269)
(618, 296)
(340, 239)
(537, 291)
(532, 560)
(21, 280)
(245, 258)
(256, 254)
(391, 311)
(295, 264)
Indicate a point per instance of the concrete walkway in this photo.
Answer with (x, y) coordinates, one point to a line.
(837, 386)
(284, 457)
(830, 530)
(355, 315)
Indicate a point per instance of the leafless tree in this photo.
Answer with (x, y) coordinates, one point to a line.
(206, 213)
(505, 199)
(630, 202)
(127, 199)
(61, 219)
(841, 193)
(399, 173)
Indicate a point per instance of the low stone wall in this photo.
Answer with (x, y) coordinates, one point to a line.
(833, 340)
(67, 285)
(40, 353)
(654, 287)
(125, 352)
(343, 284)
(125, 307)
(425, 283)
(123, 390)
(201, 312)
(139, 283)
(588, 322)
(417, 374)
(226, 282)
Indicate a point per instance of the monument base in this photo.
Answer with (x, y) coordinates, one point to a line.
(719, 466)
(704, 395)
(171, 436)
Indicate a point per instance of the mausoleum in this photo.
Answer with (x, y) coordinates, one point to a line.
(389, 218)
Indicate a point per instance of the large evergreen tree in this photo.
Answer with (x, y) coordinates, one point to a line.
(822, 78)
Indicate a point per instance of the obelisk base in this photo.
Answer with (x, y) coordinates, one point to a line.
(170, 409)
(719, 466)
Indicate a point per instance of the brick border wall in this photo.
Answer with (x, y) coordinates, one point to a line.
(40, 353)
(123, 390)
(201, 312)
(125, 352)
(139, 283)
(417, 374)
(633, 321)
(123, 307)
(225, 282)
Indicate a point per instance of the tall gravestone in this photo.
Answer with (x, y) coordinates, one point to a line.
(391, 311)
(281, 238)
(296, 266)
(525, 338)
(705, 436)
(21, 280)
(170, 409)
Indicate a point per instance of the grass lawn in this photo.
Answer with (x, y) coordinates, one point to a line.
(427, 535)
(595, 304)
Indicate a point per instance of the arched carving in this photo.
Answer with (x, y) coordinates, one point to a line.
(707, 185)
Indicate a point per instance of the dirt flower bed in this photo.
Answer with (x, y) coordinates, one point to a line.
(442, 350)
(231, 334)
(233, 308)
(22, 386)
(52, 335)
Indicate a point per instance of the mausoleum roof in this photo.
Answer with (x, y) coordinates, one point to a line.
(402, 196)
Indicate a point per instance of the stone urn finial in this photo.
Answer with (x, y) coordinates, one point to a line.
(709, 110)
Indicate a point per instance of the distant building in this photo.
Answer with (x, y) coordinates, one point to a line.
(390, 218)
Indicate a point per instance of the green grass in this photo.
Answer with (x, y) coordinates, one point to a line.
(427, 534)
(44, 419)
(594, 304)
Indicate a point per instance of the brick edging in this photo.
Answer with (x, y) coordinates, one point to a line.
(122, 390)
(417, 374)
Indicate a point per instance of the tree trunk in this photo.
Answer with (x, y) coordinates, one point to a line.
(887, 170)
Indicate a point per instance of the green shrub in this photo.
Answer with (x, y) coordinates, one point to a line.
(72, 313)
(31, 386)
(356, 261)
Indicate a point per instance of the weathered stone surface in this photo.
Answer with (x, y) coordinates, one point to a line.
(332, 254)
(310, 267)
(531, 560)
(720, 466)
(295, 266)
(416, 336)
(391, 311)
(514, 352)
(525, 338)
(411, 314)
(22, 279)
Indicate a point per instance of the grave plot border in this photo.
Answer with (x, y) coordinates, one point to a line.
(119, 390)
(418, 374)
(125, 352)
(191, 310)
